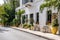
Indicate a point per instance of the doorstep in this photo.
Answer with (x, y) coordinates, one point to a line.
(41, 34)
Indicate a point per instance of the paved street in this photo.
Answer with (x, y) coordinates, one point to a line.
(12, 34)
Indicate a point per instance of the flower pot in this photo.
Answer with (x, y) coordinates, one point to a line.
(30, 28)
(25, 27)
(54, 30)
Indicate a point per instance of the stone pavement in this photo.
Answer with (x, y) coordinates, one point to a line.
(45, 35)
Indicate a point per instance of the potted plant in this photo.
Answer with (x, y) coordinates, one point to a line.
(29, 26)
(25, 26)
(54, 26)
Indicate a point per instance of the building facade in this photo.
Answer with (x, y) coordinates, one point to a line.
(32, 12)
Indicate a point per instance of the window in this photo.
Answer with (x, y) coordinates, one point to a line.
(26, 18)
(37, 16)
(23, 19)
(49, 14)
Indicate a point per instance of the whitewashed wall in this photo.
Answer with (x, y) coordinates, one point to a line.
(34, 9)
(43, 18)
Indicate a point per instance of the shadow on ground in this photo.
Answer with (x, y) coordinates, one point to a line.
(3, 30)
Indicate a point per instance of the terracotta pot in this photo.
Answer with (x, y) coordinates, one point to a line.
(54, 30)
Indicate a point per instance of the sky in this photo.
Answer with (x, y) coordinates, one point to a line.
(1, 2)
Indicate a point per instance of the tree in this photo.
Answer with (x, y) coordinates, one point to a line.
(2, 11)
(3, 14)
(9, 8)
(50, 4)
(7, 11)
(17, 21)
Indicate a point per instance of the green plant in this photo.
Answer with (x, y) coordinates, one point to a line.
(55, 23)
(29, 25)
(24, 25)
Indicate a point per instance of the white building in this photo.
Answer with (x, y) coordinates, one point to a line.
(32, 11)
